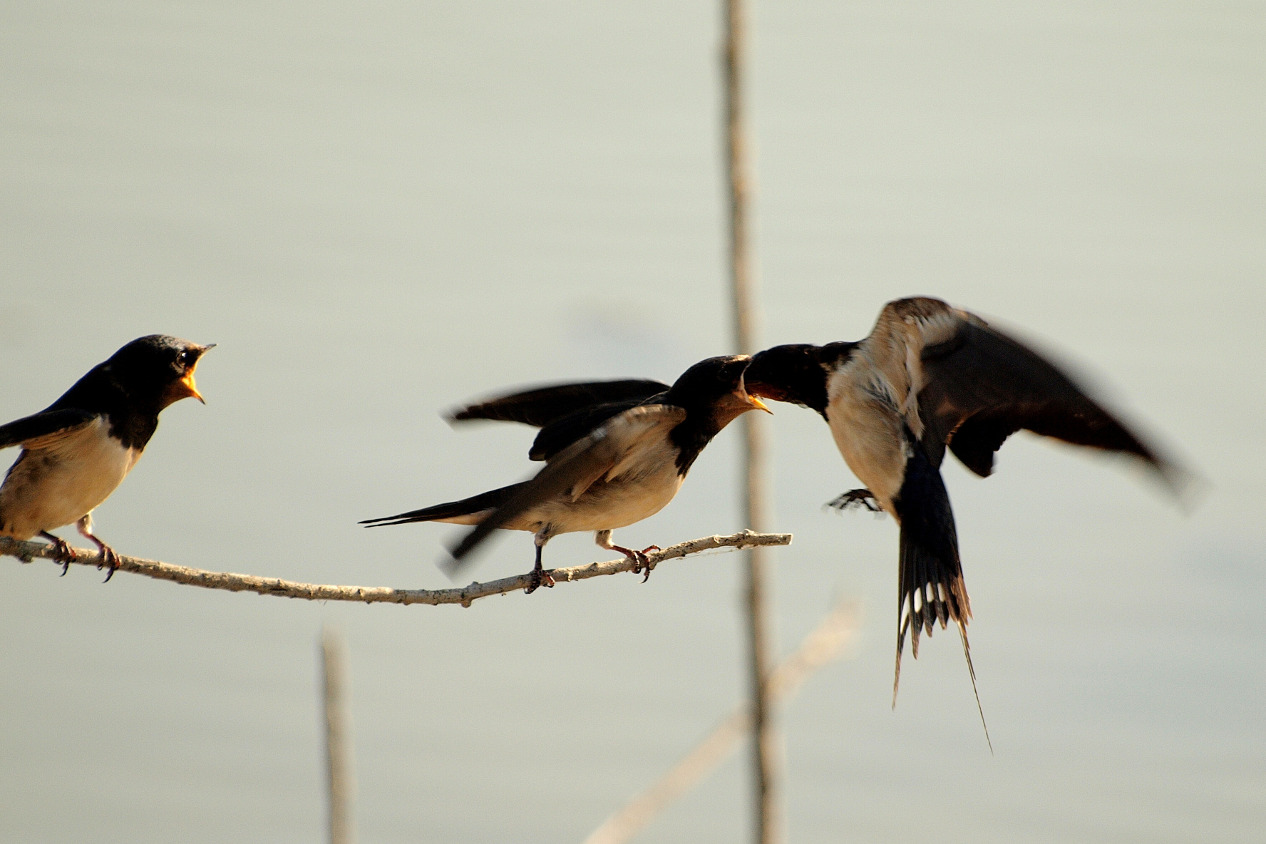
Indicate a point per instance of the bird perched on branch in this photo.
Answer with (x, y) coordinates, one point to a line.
(931, 376)
(81, 447)
(615, 453)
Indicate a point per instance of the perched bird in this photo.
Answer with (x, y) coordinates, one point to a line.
(77, 450)
(927, 377)
(615, 453)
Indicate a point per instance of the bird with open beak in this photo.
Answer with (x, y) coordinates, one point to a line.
(79, 449)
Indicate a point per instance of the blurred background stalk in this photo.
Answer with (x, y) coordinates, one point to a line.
(765, 745)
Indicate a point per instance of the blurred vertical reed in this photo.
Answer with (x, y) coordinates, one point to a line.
(338, 740)
(766, 745)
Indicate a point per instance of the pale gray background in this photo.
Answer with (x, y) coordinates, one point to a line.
(380, 210)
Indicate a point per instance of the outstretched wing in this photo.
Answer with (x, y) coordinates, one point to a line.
(574, 469)
(43, 428)
(980, 386)
(542, 405)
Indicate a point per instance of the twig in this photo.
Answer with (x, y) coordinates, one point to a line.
(27, 551)
(820, 647)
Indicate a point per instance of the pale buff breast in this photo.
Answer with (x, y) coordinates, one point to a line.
(867, 428)
(638, 487)
(62, 479)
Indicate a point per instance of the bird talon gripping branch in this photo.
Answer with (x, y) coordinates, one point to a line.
(62, 552)
(643, 562)
(109, 561)
(537, 579)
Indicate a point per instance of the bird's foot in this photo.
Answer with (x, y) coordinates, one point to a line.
(856, 497)
(109, 561)
(538, 578)
(641, 563)
(62, 552)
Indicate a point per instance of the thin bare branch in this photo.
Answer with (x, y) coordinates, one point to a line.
(820, 647)
(27, 551)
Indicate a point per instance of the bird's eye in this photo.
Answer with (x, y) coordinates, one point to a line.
(185, 358)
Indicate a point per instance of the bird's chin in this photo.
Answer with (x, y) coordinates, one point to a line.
(184, 388)
(728, 411)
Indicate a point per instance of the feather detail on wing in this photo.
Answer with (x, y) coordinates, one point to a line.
(44, 428)
(541, 406)
(981, 386)
(604, 452)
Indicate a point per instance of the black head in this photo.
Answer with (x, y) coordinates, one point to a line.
(712, 393)
(156, 370)
(791, 373)
(715, 385)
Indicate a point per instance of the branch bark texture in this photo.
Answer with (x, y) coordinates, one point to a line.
(27, 551)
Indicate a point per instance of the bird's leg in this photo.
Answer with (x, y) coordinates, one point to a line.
(640, 561)
(109, 559)
(861, 497)
(540, 577)
(62, 552)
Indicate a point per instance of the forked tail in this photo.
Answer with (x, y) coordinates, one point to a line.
(930, 585)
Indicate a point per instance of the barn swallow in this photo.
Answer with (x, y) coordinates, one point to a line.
(927, 377)
(613, 456)
(81, 447)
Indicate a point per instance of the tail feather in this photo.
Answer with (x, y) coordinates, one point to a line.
(930, 583)
(484, 501)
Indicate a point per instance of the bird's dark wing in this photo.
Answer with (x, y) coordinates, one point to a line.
(571, 471)
(561, 433)
(542, 405)
(44, 427)
(981, 386)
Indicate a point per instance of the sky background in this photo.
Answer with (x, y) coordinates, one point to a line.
(381, 211)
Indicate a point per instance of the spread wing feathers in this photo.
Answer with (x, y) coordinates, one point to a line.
(606, 451)
(981, 386)
(43, 428)
(543, 405)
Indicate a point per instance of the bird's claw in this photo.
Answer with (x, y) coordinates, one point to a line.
(538, 578)
(859, 497)
(62, 553)
(641, 563)
(109, 561)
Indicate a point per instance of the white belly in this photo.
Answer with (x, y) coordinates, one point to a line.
(61, 482)
(868, 432)
(645, 485)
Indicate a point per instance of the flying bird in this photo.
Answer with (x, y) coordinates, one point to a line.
(79, 449)
(931, 376)
(615, 453)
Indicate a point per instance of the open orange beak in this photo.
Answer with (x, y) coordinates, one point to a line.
(755, 402)
(186, 385)
(189, 388)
